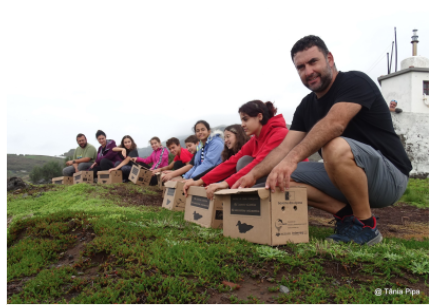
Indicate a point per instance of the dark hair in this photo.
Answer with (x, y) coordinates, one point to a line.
(172, 141)
(134, 145)
(100, 132)
(308, 42)
(202, 122)
(254, 107)
(191, 139)
(80, 135)
(242, 139)
(156, 139)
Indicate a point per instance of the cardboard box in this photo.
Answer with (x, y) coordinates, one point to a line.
(67, 180)
(106, 177)
(83, 176)
(260, 216)
(202, 211)
(160, 183)
(174, 197)
(140, 175)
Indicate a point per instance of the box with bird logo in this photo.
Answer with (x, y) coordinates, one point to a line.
(202, 211)
(140, 175)
(83, 176)
(174, 197)
(67, 180)
(107, 177)
(259, 216)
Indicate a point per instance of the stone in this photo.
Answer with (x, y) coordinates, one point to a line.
(25, 195)
(80, 273)
(15, 183)
(61, 254)
(283, 289)
(73, 277)
(70, 256)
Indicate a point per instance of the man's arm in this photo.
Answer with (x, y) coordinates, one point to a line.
(82, 160)
(328, 128)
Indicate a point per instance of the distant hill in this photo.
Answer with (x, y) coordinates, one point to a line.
(22, 165)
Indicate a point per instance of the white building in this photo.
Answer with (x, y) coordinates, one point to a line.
(410, 88)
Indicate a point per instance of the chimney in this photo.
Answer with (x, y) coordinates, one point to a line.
(414, 41)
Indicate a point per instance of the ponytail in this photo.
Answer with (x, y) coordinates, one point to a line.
(254, 107)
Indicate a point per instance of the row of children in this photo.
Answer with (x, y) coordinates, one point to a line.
(207, 160)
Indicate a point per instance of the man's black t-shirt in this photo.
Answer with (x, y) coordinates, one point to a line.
(372, 125)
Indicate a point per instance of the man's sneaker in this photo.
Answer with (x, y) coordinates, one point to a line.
(352, 229)
(340, 224)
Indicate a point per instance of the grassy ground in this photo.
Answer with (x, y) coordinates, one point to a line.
(85, 244)
(417, 193)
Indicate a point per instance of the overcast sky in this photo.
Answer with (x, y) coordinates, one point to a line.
(147, 68)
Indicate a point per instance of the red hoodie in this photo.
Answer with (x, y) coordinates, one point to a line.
(270, 137)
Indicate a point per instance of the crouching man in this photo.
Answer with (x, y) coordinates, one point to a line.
(83, 157)
(347, 120)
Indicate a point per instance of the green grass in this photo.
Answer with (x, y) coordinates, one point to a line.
(153, 256)
(417, 193)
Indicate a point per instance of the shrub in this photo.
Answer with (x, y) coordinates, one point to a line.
(46, 172)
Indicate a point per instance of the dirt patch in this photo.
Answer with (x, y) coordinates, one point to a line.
(255, 287)
(400, 221)
(130, 197)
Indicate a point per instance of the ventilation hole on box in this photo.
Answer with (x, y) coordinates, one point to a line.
(295, 208)
(283, 208)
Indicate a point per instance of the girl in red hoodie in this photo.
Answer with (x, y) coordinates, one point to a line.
(267, 130)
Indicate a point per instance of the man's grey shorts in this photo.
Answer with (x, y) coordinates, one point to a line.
(386, 183)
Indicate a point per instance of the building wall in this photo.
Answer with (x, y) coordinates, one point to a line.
(413, 130)
(407, 89)
(417, 78)
(398, 88)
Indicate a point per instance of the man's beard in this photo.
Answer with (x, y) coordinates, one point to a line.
(325, 80)
(84, 145)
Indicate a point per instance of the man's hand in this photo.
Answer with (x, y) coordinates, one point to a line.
(247, 181)
(69, 163)
(190, 182)
(214, 187)
(280, 176)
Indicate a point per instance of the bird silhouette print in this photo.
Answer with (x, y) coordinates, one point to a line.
(243, 228)
(197, 216)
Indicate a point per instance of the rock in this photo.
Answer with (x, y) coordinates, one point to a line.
(61, 254)
(230, 284)
(270, 279)
(73, 277)
(38, 195)
(70, 256)
(15, 183)
(93, 235)
(80, 273)
(283, 289)
(24, 195)
(71, 224)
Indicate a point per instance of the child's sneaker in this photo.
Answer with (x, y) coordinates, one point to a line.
(352, 229)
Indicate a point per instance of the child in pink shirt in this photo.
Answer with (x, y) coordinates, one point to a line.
(159, 156)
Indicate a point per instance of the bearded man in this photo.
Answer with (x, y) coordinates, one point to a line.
(83, 157)
(346, 119)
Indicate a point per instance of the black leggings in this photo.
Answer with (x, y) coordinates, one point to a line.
(203, 174)
(105, 165)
